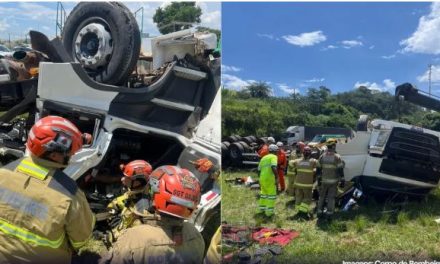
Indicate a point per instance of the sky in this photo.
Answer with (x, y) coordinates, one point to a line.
(294, 46)
(17, 18)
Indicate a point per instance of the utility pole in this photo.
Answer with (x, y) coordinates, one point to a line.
(430, 70)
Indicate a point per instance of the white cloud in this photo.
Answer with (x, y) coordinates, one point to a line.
(331, 47)
(306, 39)
(234, 82)
(426, 38)
(4, 25)
(348, 44)
(371, 47)
(386, 85)
(211, 15)
(387, 57)
(287, 89)
(226, 68)
(314, 80)
(269, 36)
(435, 75)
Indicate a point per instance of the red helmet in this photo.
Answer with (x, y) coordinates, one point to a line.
(54, 134)
(203, 165)
(175, 191)
(137, 170)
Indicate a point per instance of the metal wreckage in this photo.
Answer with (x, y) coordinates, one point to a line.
(162, 107)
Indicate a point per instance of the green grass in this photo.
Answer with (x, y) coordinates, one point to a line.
(375, 231)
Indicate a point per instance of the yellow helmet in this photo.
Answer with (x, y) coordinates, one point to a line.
(331, 142)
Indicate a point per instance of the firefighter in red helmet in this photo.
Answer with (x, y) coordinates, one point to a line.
(165, 236)
(135, 180)
(39, 203)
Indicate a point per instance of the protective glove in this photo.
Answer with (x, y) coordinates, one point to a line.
(319, 181)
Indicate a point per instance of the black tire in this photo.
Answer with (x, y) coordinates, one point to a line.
(254, 138)
(262, 140)
(245, 146)
(236, 153)
(124, 30)
(225, 149)
(249, 140)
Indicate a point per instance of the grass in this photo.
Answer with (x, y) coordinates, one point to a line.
(374, 231)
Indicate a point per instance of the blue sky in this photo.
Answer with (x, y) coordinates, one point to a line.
(342, 45)
(17, 18)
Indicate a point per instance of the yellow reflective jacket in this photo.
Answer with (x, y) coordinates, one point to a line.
(155, 242)
(43, 214)
(305, 172)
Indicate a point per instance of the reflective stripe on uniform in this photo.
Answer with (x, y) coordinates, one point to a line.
(79, 244)
(29, 237)
(305, 170)
(328, 166)
(303, 185)
(271, 197)
(330, 181)
(33, 169)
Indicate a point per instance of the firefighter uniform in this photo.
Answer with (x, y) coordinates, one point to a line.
(282, 163)
(43, 214)
(305, 177)
(214, 253)
(126, 206)
(331, 163)
(268, 188)
(291, 172)
(158, 241)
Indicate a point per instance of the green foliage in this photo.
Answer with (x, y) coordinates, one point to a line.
(167, 19)
(258, 90)
(252, 111)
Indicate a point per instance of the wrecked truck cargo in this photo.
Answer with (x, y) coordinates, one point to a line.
(158, 123)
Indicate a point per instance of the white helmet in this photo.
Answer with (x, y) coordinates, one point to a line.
(270, 140)
(273, 148)
(280, 144)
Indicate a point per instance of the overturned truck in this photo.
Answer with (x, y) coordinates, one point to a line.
(390, 157)
(162, 107)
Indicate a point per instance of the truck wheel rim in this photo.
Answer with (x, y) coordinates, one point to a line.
(93, 46)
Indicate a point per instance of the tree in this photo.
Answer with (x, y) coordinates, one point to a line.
(170, 18)
(259, 89)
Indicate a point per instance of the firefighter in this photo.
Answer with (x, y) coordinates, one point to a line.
(295, 154)
(165, 236)
(305, 169)
(135, 181)
(204, 165)
(331, 173)
(282, 163)
(44, 216)
(268, 182)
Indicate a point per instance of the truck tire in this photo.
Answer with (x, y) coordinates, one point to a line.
(245, 146)
(236, 153)
(262, 140)
(104, 37)
(362, 124)
(249, 140)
